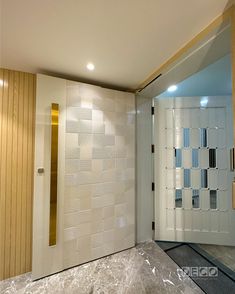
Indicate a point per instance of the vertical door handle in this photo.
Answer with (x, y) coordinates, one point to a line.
(54, 173)
(232, 159)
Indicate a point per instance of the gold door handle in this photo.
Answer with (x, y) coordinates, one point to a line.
(54, 173)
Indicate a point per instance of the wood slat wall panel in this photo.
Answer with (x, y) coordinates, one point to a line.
(17, 124)
(233, 69)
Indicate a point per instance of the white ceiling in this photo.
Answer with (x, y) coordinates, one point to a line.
(126, 39)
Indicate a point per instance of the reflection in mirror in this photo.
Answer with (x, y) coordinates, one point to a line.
(212, 158)
(178, 198)
(213, 199)
(186, 138)
(187, 178)
(195, 158)
(195, 198)
(203, 137)
(204, 178)
(178, 157)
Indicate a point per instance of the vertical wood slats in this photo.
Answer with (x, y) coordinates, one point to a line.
(17, 124)
(233, 68)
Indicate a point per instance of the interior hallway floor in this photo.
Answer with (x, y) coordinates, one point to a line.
(221, 279)
(143, 269)
(222, 254)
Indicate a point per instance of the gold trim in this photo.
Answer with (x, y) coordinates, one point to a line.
(228, 14)
(54, 172)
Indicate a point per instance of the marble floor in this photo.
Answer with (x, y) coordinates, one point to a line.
(143, 269)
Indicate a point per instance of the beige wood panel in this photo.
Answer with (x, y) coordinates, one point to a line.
(233, 69)
(17, 124)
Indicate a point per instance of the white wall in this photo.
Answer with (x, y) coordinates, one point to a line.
(144, 197)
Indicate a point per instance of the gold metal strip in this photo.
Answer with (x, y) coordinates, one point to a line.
(54, 173)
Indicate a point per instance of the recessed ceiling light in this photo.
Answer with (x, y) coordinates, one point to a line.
(90, 66)
(204, 101)
(172, 88)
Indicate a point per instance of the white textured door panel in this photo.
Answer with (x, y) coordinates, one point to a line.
(96, 174)
(193, 197)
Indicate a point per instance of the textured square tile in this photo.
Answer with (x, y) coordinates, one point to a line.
(109, 140)
(85, 140)
(109, 223)
(71, 180)
(109, 151)
(85, 165)
(71, 192)
(108, 164)
(72, 165)
(97, 165)
(72, 204)
(98, 141)
(85, 152)
(97, 227)
(102, 188)
(72, 140)
(98, 153)
(109, 128)
(108, 211)
(85, 126)
(84, 190)
(73, 97)
(83, 230)
(98, 127)
(102, 201)
(71, 220)
(85, 113)
(84, 202)
(72, 152)
(108, 176)
(97, 240)
(97, 115)
(72, 126)
(97, 252)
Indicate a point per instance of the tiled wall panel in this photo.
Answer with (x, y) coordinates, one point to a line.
(100, 172)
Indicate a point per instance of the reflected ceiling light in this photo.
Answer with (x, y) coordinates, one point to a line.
(204, 101)
(1, 83)
(172, 88)
(90, 66)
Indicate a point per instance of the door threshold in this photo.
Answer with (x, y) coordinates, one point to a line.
(210, 276)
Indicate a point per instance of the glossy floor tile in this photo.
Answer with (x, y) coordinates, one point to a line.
(143, 269)
(218, 283)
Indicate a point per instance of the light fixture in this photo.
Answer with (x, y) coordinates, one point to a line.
(90, 66)
(204, 101)
(172, 88)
